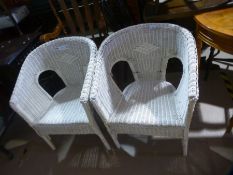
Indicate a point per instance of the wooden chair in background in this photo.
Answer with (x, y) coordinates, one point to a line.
(77, 18)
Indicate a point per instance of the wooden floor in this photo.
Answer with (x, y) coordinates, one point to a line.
(139, 155)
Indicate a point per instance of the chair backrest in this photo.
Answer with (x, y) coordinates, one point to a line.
(83, 16)
(147, 48)
(68, 57)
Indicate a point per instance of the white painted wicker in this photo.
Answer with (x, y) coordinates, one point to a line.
(68, 112)
(150, 105)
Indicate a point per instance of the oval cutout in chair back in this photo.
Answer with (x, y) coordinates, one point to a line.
(51, 82)
(122, 74)
(174, 71)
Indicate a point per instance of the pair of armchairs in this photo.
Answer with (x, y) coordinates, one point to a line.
(148, 106)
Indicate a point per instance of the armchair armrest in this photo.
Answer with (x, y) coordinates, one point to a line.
(28, 99)
(187, 92)
(54, 34)
(85, 92)
(84, 97)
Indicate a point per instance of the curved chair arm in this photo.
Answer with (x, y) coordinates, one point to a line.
(187, 92)
(84, 97)
(28, 99)
(56, 32)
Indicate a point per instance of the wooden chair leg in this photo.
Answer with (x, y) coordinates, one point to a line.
(230, 125)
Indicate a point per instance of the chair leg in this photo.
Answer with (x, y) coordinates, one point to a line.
(185, 146)
(105, 142)
(47, 139)
(114, 138)
(8, 153)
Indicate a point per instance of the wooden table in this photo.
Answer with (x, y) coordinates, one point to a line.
(174, 9)
(215, 28)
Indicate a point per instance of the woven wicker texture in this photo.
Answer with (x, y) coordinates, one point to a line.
(68, 112)
(150, 105)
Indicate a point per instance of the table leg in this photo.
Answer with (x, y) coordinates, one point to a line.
(209, 62)
(199, 46)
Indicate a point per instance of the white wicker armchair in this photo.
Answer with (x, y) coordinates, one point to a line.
(150, 105)
(68, 111)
